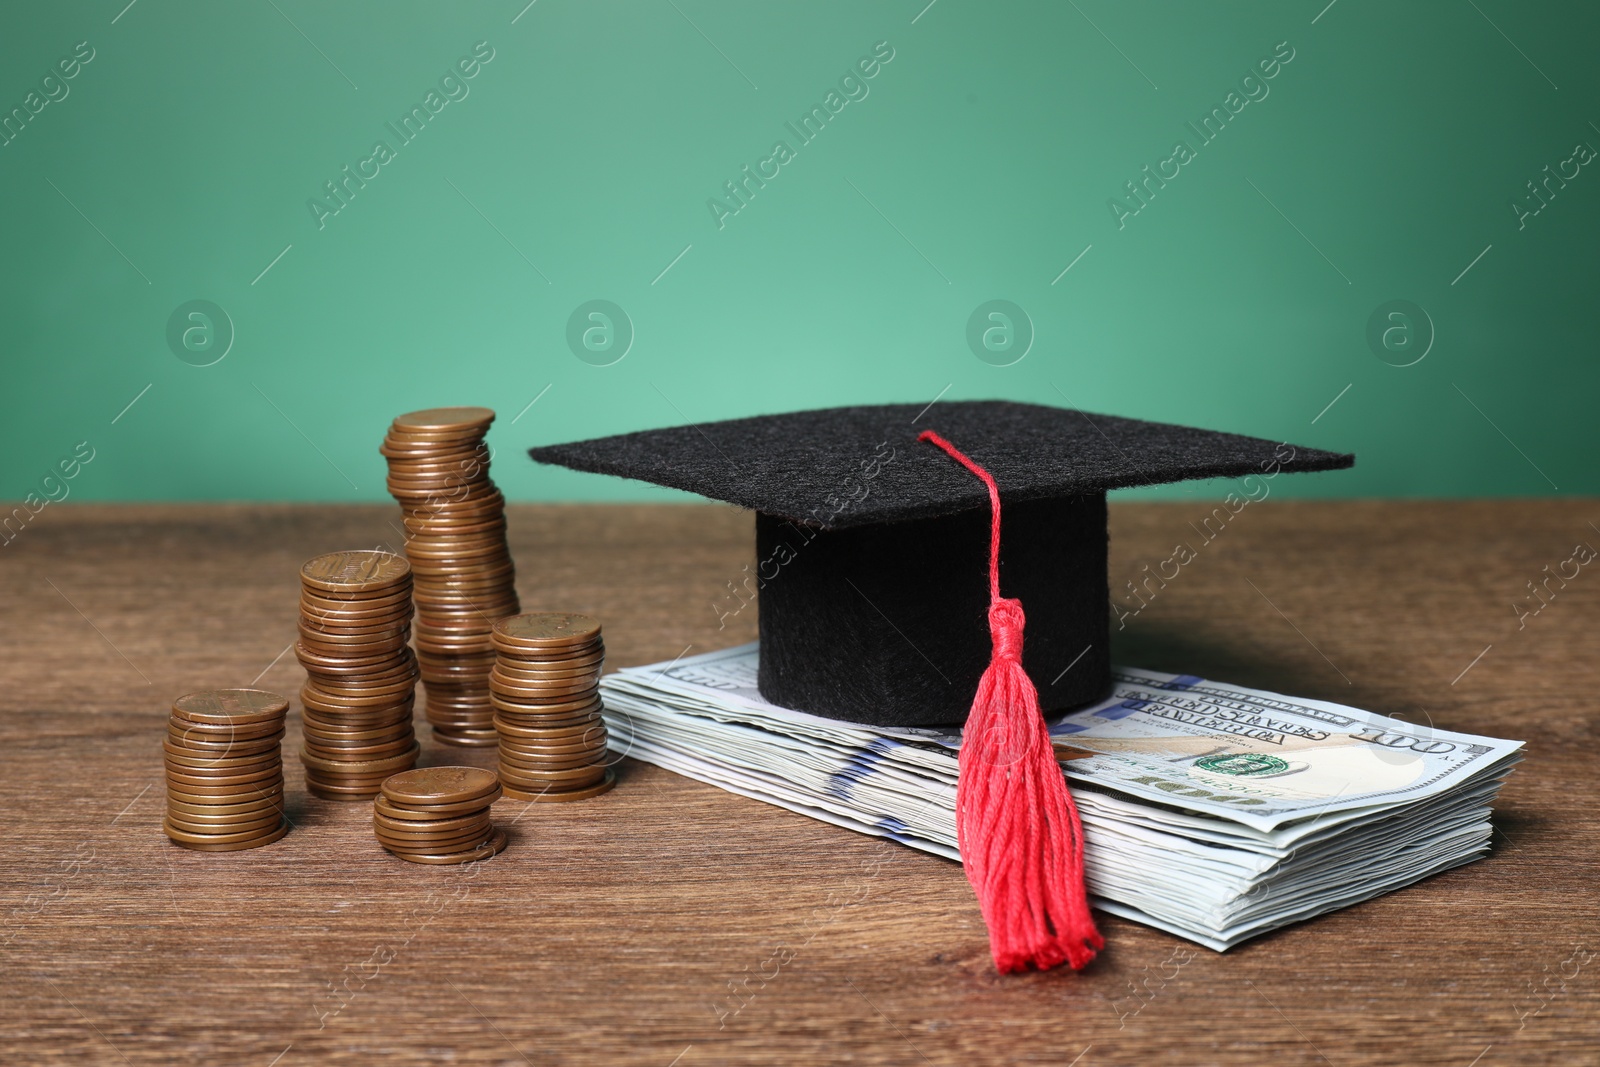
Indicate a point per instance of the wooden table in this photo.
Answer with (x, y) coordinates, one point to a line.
(670, 923)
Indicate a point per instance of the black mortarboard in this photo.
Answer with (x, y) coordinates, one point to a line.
(872, 547)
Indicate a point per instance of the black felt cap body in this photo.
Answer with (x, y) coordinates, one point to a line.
(872, 547)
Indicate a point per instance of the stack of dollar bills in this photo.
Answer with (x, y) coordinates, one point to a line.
(1211, 811)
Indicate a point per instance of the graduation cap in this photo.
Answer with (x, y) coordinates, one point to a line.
(876, 605)
(870, 545)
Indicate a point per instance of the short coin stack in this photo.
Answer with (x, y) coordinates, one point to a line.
(545, 688)
(456, 541)
(438, 815)
(355, 617)
(225, 770)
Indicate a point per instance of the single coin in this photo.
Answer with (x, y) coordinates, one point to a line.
(364, 569)
(538, 697)
(215, 765)
(230, 706)
(346, 721)
(459, 824)
(333, 654)
(470, 694)
(529, 678)
(461, 807)
(355, 635)
(337, 606)
(547, 629)
(232, 825)
(424, 528)
(552, 732)
(460, 720)
(575, 777)
(375, 734)
(184, 837)
(467, 668)
(232, 794)
(456, 506)
(591, 740)
(427, 448)
(381, 805)
(223, 735)
(362, 684)
(226, 805)
(535, 749)
(560, 796)
(340, 698)
(482, 727)
(444, 420)
(338, 662)
(352, 768)
(470, 834)
(474, 583)
(343, 795)
(225, 749)
(443, 609)
(392, 731)
(467, 559)
(238, 728)
(471, 461)
(435, 848)
(529, 675)
(465, 739)
(364, 749)
(491, 847)
(439, 785)
(460, 552)
(225, 779)
(330, 760)
(237, 846)
(248, 807)
(528, 702)
(339, 609)
(521, 765)
(566, 708)
(570, 731)
(543, 727)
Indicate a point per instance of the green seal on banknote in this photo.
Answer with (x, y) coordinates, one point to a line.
(1242, 764)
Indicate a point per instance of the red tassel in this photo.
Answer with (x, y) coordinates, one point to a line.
(1017, 827)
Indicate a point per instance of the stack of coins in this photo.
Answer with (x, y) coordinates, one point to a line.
(545, 688)
(224, 770)
(438, 815)
(456, 541)
(355, 617)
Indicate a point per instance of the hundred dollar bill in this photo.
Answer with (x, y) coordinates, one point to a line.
(1210, 810)
(1245, 755)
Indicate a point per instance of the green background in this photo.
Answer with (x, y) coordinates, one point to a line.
(1382, 165)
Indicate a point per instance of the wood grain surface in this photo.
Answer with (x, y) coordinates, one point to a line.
(668, 923)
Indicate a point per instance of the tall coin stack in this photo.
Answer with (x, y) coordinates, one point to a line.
(545, 689)
(456, 541)
(355, 618)
(225, 770)
(438, 815)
